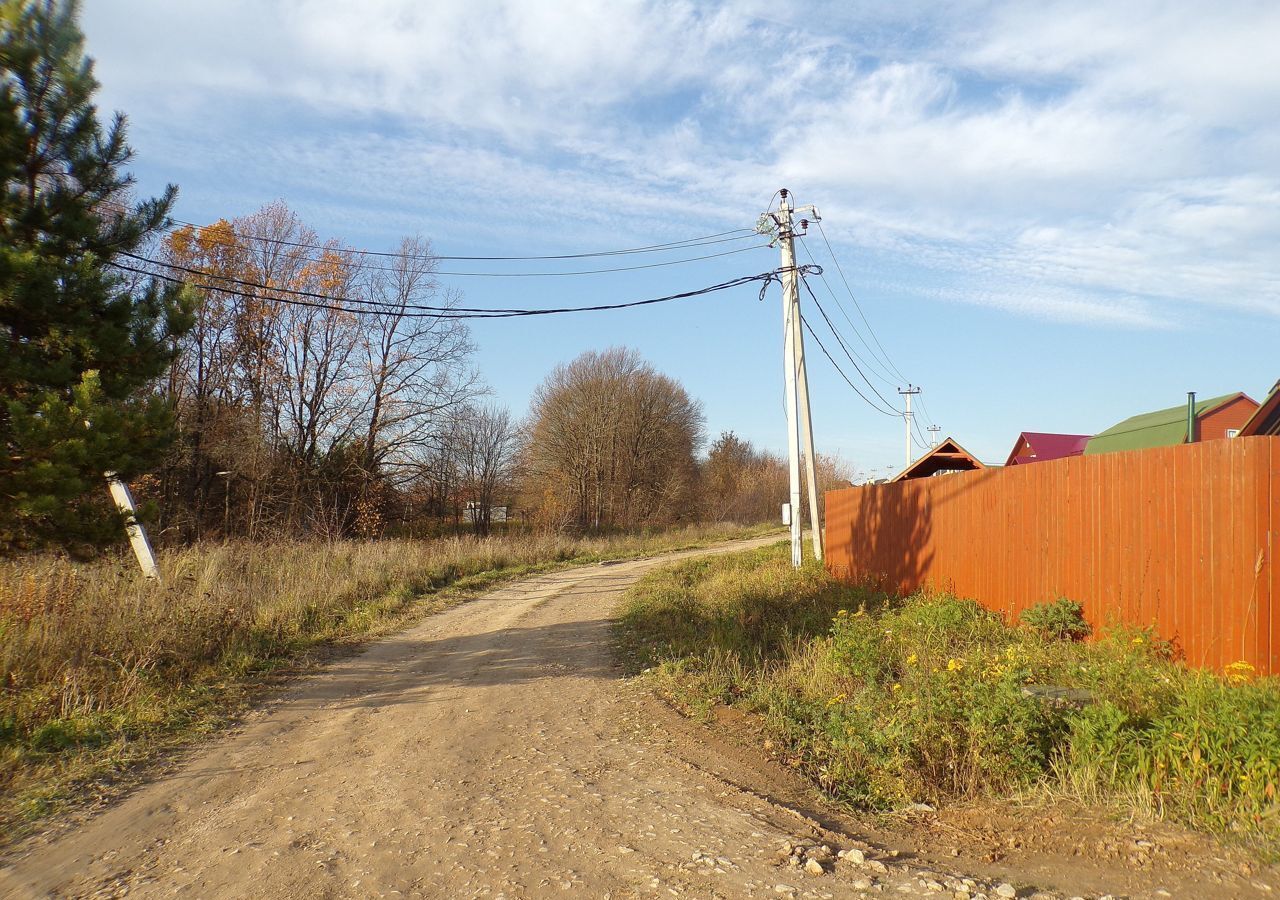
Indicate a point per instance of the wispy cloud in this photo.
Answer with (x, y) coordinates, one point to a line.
(1117, 166)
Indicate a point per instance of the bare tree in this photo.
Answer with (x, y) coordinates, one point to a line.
(417, 369)
(612, 443)
(487, 448)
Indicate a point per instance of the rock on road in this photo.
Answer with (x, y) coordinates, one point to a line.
(489, 751)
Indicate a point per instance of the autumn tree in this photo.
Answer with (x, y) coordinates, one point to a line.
(612, 443)
(82, 341)
(741, 483)
(306, 415)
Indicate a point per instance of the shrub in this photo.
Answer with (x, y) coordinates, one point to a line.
(1058, 620)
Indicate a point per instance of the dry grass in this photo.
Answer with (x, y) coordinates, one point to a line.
(99, 667)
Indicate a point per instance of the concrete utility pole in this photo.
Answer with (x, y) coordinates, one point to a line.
(933, 435)
(906, 418)
(799, 421)
(137, 537)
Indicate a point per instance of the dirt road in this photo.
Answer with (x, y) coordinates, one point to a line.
(490, 751)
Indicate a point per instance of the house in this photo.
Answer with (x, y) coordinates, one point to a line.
(948, 456)
(1219, 417)
(1040, 446)
(1266, 419)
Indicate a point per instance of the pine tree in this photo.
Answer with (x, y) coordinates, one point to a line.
(82, 341)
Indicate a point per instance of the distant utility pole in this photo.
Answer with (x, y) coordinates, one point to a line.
(799, 422)
(906, 418)
(933, 435)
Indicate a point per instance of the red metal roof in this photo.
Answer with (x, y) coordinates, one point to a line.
(1047, 445)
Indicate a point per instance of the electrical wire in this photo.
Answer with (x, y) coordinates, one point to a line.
(409, 257)
(840, 340)
(203, 273)
(925, 409)
(871, 364)
(657, 265)
(836, 365)
(716, 238)
(412, 311)
(856, 304)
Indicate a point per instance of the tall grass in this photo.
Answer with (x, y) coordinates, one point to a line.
(886, 701)
(99, 666)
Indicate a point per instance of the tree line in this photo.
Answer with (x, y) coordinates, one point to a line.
(239, 399)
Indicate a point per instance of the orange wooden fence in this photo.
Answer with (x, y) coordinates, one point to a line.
(1183, 538)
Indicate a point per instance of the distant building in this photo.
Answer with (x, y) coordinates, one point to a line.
(1220, 417)
(1041, 446)
(1266, 419)
(948, 456)
(471, 512)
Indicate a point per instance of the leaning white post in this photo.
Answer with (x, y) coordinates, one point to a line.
(137, 537)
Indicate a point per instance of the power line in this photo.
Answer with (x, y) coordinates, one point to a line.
(857, 305)
(719, 237)
(840, 340)
(872, 363)
(410, 257)
(925, 409)
(412, 311)
(836, 365)
(657, 265)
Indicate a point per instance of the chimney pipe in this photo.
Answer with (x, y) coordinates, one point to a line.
(1191, 417)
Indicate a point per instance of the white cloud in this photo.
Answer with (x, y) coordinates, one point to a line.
(1117, 165)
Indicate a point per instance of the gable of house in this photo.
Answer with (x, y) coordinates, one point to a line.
(948, 456)
(1266, 418)
(1040, 446)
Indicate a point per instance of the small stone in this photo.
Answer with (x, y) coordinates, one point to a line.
(862, 884)
(813, 867)
(783, 889)
(854, 855)
(1006, 890)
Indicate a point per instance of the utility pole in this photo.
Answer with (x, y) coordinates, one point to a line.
(799, 420)
(137, 537)
(906, 418)
(933, 435)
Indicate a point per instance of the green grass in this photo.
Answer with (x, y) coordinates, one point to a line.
(886, 701)
(101, 669)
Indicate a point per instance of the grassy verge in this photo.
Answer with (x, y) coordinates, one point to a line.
(886, 702)
(100, 669)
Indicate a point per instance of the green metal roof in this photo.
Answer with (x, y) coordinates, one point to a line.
(1162, 428)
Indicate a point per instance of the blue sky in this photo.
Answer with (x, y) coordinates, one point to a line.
(1054, 215)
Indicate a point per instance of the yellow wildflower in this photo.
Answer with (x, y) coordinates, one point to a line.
(912, 659)
(955, 665)
(1240, 672)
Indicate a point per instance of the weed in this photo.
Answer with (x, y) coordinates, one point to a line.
(931, 698)
(1059, 620)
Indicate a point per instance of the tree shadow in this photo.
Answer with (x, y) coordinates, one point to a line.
(878, 535)
(415, 671)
